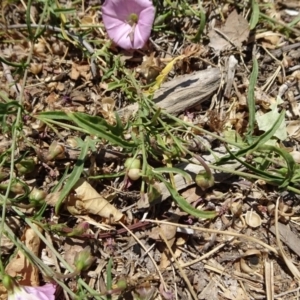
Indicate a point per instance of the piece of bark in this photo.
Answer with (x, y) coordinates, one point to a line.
(288, 237)
(181, 93)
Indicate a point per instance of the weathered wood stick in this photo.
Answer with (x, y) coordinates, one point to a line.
(182, 93)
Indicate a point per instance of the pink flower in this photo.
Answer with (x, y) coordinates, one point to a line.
(45, 292)
(128, 22)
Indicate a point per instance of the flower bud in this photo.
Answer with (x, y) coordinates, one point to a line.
(132, 163)
(25, 166)
(80, 229)
(133, 166)
(121, 284)
(83, 260)
(134, 174)
(204, 180)
(16, 187)
(37, 197)
(40, 47)
(56, 151)
(3, 174)
(8, 282)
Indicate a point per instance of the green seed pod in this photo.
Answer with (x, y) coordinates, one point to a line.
(83, 260)
(204, 180)
(37, 197)
(122, 284)
(56, 151)
(133, 167)
(134, 174)
(16, 188)
(25, 166)
(132, 163)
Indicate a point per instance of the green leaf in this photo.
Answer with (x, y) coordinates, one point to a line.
(99, 127)
(290, 162)
(9, 107)
(114, 85)
(21, 65)
(109, 277)
(185, 206)
(64, 10)
(74, 176)
(271, 178)
(261, 141)
(173, 170)
(265, 121)
(52, 115)
(251, 100)
(255, 15)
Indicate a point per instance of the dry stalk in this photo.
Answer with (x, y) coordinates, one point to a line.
(146, 250)
(179, 267)
(206, 255)
(293, 269)
(235, 234)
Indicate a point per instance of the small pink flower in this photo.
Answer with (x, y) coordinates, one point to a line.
(128, 22)
(45, 292)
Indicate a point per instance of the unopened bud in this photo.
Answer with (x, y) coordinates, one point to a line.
(121, 284)
(16, 187)
(8, 282)
(204, 180)
(83, 260)
(56, 151)
(80, 229)
(133, 166)
(25, 166)
(37, 197)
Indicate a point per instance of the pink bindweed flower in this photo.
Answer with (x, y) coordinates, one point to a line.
(128, 22)
(18, 292)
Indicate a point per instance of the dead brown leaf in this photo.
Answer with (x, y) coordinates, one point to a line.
(20, 266)
(107, 110)
(150, 67)
(80, 71)
(233, 33)
(88, 201)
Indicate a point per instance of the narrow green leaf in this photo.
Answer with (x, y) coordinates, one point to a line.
(109, 277)
(251, 100)
(64, 10)
(99, 127)
(114, 85)
(173, 170)
(201, 25)
(74, 176)
(28, 20)
(21, 65)
(290, 162)
(184, 205)
(52, 115)
(261, 141)
(255, 15)
(294, 22)
(270, 178)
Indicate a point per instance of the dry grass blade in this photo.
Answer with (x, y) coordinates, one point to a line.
(191, 290)
(269, 279)
(147, 251)
(208, 230)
